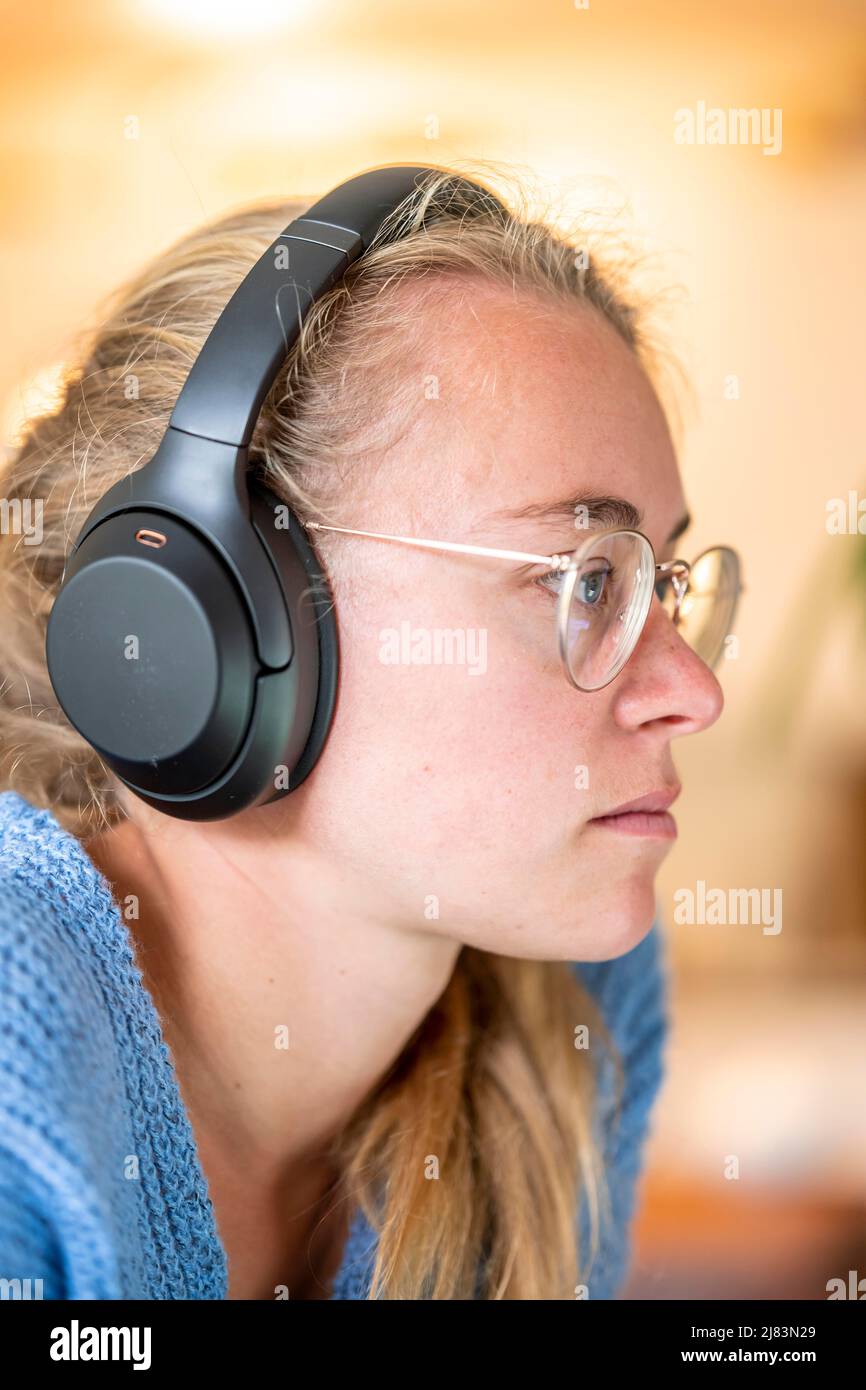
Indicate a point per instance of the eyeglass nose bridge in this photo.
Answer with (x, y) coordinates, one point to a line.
(678, 572)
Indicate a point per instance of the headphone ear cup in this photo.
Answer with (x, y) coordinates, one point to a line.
(312, 617)
(151, 653)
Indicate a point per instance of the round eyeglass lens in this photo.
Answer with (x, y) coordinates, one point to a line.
(606, 596)
(709, 604)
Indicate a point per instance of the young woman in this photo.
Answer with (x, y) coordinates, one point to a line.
(399, 1033)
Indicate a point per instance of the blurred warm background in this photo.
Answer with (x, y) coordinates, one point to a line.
(126, 122)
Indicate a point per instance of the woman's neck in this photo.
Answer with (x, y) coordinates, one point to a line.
(282, 1008)
(283, 997)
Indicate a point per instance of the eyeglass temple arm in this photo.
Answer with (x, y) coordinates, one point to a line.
(676, 568)
(669, 566)
(558, 561)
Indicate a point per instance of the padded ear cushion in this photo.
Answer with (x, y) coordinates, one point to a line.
(314, 625)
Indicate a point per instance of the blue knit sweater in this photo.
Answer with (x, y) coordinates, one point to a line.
(102, 1194)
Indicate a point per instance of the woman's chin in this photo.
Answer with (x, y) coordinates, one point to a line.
(579, 925)
(621, 919)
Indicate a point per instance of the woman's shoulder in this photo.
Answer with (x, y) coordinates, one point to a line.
(61, 950)
(101, 1192)
(60, 1089)
(57, 916)
(68, 984)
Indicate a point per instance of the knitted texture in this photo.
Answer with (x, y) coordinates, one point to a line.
(102, 1193)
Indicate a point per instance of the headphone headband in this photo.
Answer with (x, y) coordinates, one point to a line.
(232, 691)
(255, 332)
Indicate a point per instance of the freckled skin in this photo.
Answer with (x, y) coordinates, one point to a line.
(531, 406)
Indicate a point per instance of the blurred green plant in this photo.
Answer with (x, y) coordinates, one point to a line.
(837, 577)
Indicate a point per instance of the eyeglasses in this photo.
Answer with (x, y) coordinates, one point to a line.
(604, 590)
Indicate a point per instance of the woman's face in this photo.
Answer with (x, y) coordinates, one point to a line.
(449, 798)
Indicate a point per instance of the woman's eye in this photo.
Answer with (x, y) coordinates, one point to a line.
(594, 586)
(590, 588)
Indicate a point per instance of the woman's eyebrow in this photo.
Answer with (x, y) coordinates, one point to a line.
(682, 525)
(600, 510)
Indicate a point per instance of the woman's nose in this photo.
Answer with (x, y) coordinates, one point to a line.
(664, 679)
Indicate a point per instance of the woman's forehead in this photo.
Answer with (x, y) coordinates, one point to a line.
(534, 409)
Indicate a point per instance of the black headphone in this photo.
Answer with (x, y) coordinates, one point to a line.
(193, 640)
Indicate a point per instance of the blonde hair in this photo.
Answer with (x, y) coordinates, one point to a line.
(492, 1083)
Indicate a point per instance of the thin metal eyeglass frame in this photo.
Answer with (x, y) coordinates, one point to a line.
(676, 570)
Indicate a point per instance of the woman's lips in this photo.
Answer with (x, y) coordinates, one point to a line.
(646, 815)
(658, 823)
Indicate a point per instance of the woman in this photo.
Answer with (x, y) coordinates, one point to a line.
(399, 1033)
